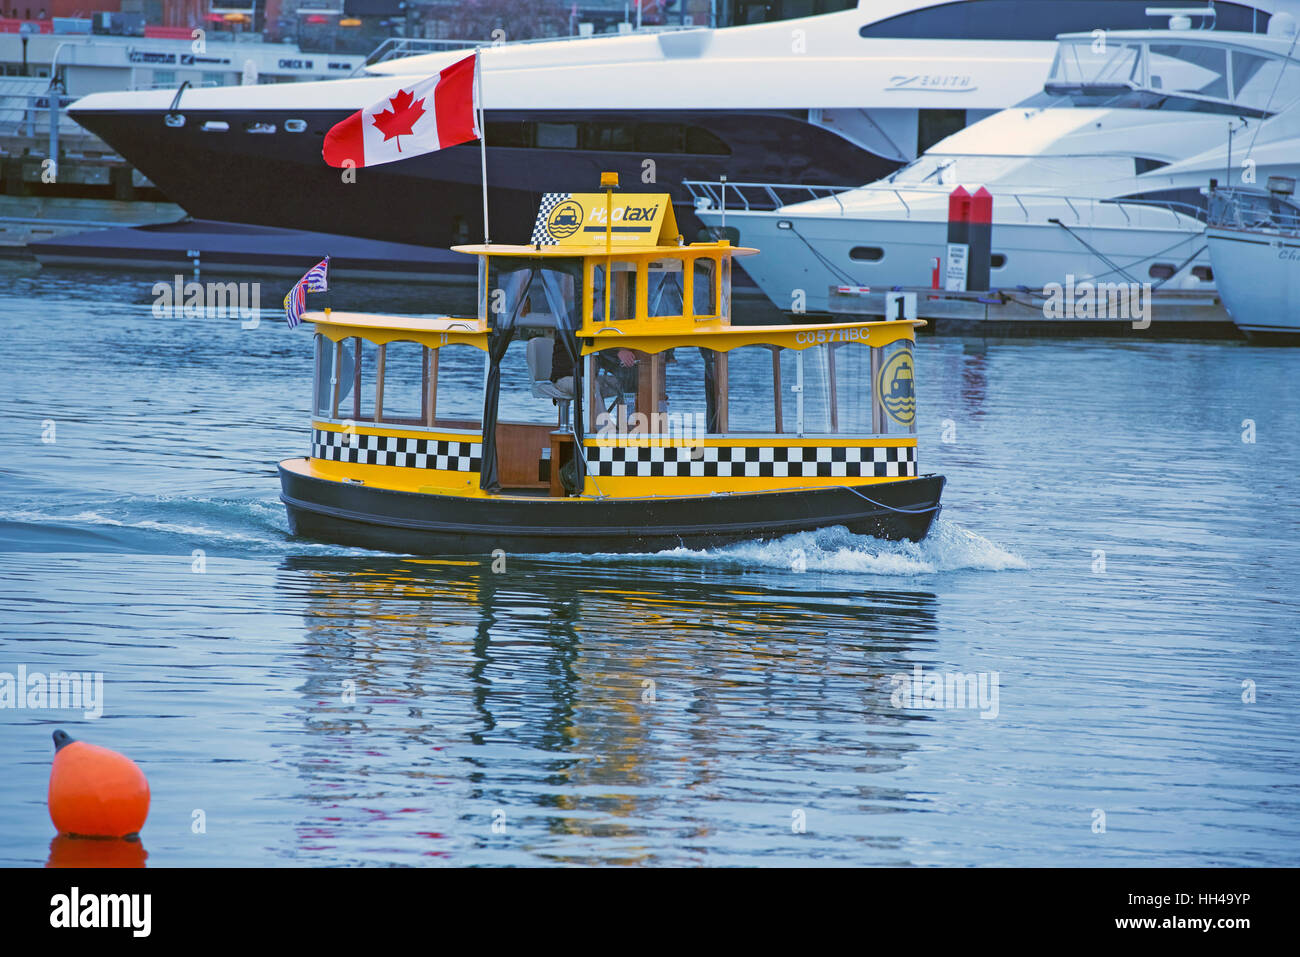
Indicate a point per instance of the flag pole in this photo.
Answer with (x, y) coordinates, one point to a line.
(482, 138)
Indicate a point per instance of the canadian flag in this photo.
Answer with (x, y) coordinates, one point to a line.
(431, 115)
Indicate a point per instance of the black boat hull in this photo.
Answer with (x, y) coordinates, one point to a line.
(435, 199)
(424, 524)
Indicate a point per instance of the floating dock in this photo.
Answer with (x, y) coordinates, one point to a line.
(1171, 314)
(25, 220)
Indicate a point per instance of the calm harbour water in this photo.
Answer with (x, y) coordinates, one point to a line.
(1110, 547)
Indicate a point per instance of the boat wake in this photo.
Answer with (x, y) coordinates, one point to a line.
(177, 524)
(949, 547)
(158, 525)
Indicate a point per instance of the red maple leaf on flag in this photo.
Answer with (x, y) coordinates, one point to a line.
(405, 111)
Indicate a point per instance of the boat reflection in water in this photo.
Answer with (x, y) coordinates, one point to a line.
(563, 696)
(80, 852)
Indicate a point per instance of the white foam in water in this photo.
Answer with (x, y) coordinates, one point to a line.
(261, 525)
(948, 547)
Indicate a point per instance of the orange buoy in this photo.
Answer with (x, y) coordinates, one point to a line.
(95, 792)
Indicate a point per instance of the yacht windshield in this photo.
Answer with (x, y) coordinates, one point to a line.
(1085, 64)
(1027, 172)
(1190, 76)
(1188, 68)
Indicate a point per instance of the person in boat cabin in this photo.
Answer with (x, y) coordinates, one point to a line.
(621, 366)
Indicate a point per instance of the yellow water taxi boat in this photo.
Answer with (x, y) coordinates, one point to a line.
(603, 401)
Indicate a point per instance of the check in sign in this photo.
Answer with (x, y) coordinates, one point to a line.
(958, 265)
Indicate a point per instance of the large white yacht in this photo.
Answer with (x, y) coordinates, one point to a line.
(843, 96)
(1099, 176)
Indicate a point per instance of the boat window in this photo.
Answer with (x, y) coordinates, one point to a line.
(519, 402)
(659, 137)
(704, 294)
(805, 391)
(457, 373)
(768, 11)
(665, 288)
(1081, 64)
(1263, 83)
(622, 298)
(624, 383)
(324, 376)
(866, 254)
(1017, 20)
(702, 142)
(518, 288)
(403, 385)
(364, 375)
(562, 136)
(747, 387)
(828, 390)
(687, 403)
(935, 125)
(847, 389)
(1145, 164)
(608, 136)
(662, 394)
(514, 134)
(848, 370)
(1188, 68)
(352, 357)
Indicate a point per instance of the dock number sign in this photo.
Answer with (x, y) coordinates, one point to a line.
(895, 388)
(900, 305)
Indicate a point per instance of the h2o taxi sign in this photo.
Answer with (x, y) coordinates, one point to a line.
(586, 219)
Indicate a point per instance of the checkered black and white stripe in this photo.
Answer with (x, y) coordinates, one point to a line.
(389, 450)
(757, 461)
(549, 201)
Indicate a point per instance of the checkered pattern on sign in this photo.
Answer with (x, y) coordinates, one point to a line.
(390, 450)
(755, 462)
(549, 201)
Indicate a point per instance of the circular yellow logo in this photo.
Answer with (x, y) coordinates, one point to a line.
(896, 388)
(565, 219)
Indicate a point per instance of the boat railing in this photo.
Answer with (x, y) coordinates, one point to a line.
(397, 48)
(1253, 209)
(755, 197)
(768, 197)
(26, 112)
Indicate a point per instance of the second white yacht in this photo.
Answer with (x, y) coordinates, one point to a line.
(1100, 177)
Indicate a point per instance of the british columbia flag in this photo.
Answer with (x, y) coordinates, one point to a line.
(316, 280)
